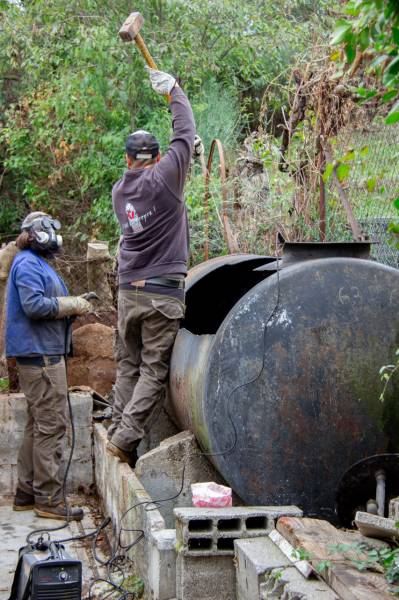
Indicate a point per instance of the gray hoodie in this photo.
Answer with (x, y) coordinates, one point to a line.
(150, 207)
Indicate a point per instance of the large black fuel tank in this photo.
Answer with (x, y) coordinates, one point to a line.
(288, 357)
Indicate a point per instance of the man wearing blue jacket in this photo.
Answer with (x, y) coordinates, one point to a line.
(37, 334)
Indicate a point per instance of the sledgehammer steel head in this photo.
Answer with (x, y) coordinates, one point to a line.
(131, 27)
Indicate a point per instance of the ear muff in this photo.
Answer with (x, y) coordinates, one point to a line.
(42, 237)
(43, 240)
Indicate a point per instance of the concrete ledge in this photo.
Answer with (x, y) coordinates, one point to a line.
(160, 471)
(264, 572)
(254, 558)
(122, 494)
(288, 584)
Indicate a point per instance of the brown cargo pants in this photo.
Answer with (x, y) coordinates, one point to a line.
(147, 327)
(40, 455)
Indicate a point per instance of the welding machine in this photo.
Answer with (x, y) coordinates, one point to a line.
(46, 571)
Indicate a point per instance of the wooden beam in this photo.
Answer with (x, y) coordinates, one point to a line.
(317, 539)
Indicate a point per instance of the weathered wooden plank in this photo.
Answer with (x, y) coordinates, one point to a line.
(303, 566)
(316, 537)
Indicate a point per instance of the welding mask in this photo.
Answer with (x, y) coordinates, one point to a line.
(43, 231)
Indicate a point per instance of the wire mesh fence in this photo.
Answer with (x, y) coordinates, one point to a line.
(371, 156)
(93, 271)
(264, 200)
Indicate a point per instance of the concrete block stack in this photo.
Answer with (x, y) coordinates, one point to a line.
(13, 417)
(205, 541)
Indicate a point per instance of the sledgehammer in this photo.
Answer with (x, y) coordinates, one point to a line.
(130, 31)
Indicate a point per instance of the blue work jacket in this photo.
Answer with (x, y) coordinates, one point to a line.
(31, 326)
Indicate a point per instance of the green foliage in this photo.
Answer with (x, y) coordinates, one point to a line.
(373, 25)
(360, 555)
(134, 585)
(4, 384)
(71, 90)
(363, 557)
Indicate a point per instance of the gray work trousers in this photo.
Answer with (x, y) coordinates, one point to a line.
(40, 455)
(147, 327)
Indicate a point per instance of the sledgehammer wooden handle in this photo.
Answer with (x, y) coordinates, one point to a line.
(145, 52)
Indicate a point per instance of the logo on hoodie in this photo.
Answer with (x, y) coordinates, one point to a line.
(133, 218)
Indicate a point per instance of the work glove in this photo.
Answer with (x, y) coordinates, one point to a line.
(69, 306)
(7, 255)
(198, 148)
(161, 82)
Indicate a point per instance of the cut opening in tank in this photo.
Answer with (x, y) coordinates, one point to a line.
(210, 299)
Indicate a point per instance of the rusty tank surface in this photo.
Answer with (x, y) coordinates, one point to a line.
(276, 369)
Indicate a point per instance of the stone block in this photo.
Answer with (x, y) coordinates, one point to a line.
(288, 584)
(83, 443)
(160, 471)
(12, 412)
(206, 531)
(205, 578)
(81, 474)
(10, 442)
(394, 509)
(162, 564)
(13, 415)
(375, 526)
(254, 559)
(8, 480)
(82, 408)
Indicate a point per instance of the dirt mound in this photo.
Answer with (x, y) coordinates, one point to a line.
(93, 363)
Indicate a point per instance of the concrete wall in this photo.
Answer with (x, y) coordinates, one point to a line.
(130, 506)
(12, 425)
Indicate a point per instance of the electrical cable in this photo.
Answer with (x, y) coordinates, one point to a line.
(155, 503)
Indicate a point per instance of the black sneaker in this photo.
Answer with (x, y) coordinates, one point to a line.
(23, 501)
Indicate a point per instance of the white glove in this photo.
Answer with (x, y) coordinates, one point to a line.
(198, 148)
(69, 306)
(162, 83)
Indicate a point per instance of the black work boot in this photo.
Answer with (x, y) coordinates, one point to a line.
(58, 512)
(23, 501)
(127, 457)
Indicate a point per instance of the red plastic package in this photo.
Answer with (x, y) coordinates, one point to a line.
(211, 495)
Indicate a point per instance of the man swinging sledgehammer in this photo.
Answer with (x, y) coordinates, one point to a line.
(148, 202)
